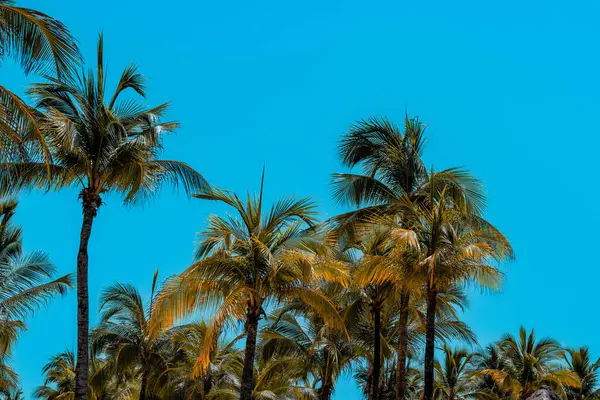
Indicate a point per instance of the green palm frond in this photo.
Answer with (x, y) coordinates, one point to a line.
(36, 40)
(26, 282)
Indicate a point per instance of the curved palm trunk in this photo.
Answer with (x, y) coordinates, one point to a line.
(376, 377)
(251, 327)
(91, 202)
(402, 345)
(430, 343)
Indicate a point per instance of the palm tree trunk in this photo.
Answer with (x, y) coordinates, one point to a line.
(429, 343)
(91, 202)
(325, 392)
(377, 352)
(247, 384)
(402, 345)
(143, 385)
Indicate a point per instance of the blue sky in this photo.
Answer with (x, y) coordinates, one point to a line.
(508, 89)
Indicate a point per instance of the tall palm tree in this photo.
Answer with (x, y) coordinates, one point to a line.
(373, 279)
(388, 271)
(454, 375)
(245, 263)
(123, 333)
(458, 247)
(580, 362)
(393, 179)
(25, 285)
(99, 143)
(39, 43)
(392, 168)
(529, 364)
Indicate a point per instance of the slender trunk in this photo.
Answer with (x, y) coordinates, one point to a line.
(143, 385)
(430, 343)
(325, 392)
(91, 202)
(247, 385)
(377, 352)
(402, 345)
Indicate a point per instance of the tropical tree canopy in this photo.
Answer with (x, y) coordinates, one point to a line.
(276, 304)
(39, 43)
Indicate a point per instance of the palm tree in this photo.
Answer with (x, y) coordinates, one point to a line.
(59, 381)
(453, 375)
(529, 364)
(373, 279)
(579, 361)
(392, 169)
(373, 333)
(394, 179)
(177, 381)
(297, 332)
(39, 43)
(244, 264)
(489, 358)
(278, 378)
(448, 328)
(123, 333)
(9, 380)
(24, 284)
(414, 381)
(457, 247)
(24, 287)
(99, 144)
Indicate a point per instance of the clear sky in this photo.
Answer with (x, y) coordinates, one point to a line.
(508, 89)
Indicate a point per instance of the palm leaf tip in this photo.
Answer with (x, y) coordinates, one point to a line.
(37, 41)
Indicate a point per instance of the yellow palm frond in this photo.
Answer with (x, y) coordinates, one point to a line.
(232, 309)
(320, 305)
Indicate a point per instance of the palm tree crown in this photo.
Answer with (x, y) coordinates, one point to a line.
(100, 142)
(453, 375)
(246, 263)
(530, 364)
(579, 361)
(123, 333)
